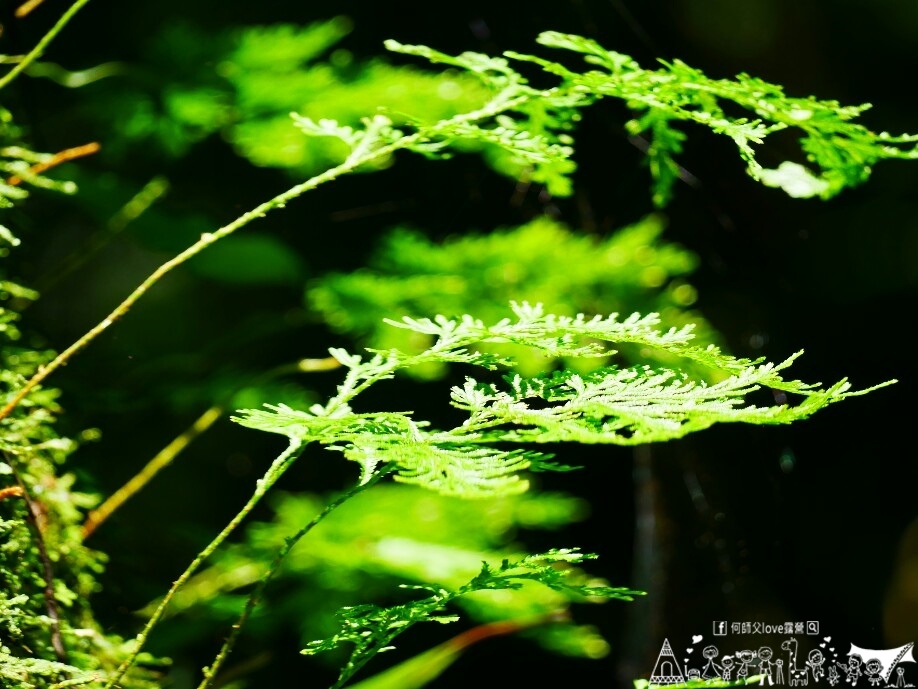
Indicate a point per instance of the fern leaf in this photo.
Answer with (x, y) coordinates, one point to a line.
(611, 405)
(371, 629)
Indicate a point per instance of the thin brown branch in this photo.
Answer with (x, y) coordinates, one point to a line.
(167, 455)
(501, 628)
(162, 459)
(27, 7)
(57, 159)
(10, 492)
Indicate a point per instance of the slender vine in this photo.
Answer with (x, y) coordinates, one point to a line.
(40, 47)
(177, 445)
(277, 469)
(361, 156)
(210, 673)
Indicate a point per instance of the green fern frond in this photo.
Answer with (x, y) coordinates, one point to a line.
(841, 150)
(390, 535)
(622, 406)
(371, 629)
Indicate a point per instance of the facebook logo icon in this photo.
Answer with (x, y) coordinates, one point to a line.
(720, 628)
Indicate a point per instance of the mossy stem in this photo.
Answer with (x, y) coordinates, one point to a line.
(33, 517)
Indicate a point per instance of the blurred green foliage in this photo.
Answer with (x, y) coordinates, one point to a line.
(245, 83)
(390, 535)
(631, 270)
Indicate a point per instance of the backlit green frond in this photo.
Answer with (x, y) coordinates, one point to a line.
(841, 150)
(622, 406)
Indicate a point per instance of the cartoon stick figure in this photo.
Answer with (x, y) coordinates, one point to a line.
(900, 676)
(779, 671)
(874, 667)
(833, 675)
(712, 669)
(852, 669)
(744, 658)
(815, 661)
(765, 665)
(727, 668)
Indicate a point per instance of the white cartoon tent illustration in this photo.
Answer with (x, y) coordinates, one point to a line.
(666, 670)
(889, 657)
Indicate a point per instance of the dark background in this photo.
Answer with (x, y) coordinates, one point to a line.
(774, 524)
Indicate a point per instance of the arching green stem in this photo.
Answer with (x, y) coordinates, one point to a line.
(275, 471)
(290, 542)
(39, 48)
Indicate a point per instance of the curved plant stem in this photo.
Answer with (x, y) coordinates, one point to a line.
(289, 544)
(39, 48)
(205, 241)
(162, 459)
(275, 471)
(496, 106)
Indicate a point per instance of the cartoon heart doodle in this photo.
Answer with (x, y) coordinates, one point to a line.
(827, 638)
(832, 648)
(697, 638)
(689, 650)
(822, 645)
(685, 661)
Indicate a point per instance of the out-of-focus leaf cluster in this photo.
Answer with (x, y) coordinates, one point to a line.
(390, 535)
(245, 83)
(633, 269)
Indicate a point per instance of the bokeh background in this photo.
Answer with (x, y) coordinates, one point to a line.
(816, 521)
